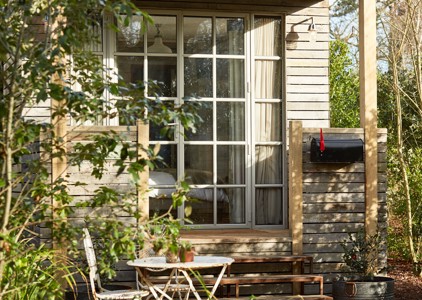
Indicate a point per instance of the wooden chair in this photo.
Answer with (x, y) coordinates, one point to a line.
(95, 278)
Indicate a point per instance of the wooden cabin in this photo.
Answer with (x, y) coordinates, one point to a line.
(261, 70)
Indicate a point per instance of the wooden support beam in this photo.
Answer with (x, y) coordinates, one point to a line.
(143, 143)
(368, 108)
(59, 163)
(295, 194)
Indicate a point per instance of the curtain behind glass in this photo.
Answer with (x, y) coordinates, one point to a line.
(268, 168)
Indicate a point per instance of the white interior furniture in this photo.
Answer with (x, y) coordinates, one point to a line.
(179, 273)
(94, 277)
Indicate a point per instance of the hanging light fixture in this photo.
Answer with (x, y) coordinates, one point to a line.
(158, 46)
(312, 31)
(132, 32)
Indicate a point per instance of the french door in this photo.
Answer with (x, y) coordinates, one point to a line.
(232, 64)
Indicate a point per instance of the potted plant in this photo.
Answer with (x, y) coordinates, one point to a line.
(164, 236)
(186, 251)
(162, 232)
(361, 256)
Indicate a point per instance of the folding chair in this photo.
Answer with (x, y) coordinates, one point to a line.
(95, 278)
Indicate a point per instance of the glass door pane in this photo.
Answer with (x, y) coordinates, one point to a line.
(268, 137)
(215, 156)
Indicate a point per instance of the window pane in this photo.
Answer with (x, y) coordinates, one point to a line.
(231, 164)
(230, 36)
(203, 129)
(231, 206)
(202, 207)
(130, 38)
(230, 121)
(268, 168)
(198, 77)
(230, 78)
(131, 68)
(168, 164)
(198, 164)
(96, 43)
(163, 70)
(268, 38)
(160, 201)
(197, 35)
(268, 79)
(268, 206)
(162, 35)
(268, 122)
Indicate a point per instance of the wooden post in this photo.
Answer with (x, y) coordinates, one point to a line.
(295, 194)
(368, 108)
(59, 164)
(143, 143)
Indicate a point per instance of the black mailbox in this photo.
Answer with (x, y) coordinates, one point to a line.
(337, 151)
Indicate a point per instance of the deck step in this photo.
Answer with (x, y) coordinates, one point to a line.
(282, 297)
(270, 279)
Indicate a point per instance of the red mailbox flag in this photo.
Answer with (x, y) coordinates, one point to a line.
(321, 141)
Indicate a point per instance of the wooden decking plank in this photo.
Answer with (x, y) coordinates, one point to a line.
(282, 297)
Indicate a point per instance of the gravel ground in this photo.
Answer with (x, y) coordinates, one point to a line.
(406, 285)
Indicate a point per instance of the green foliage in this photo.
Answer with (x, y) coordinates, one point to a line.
(163, 231)
(344, 87)
(361, 253)
(342, 8)
(31, 273)
(33, 69)
(386, 105)
(413, 161)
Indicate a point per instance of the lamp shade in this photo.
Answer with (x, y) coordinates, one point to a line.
(158, 46)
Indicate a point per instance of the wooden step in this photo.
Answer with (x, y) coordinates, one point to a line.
(271, 279)
(282, 297)
(237, 281)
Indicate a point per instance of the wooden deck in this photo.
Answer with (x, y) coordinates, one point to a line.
(279, 297)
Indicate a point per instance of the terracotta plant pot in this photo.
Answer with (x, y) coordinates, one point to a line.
(187, 255)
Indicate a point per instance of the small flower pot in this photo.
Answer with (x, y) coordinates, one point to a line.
(187, 255)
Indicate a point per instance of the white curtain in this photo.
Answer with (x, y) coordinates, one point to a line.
(268, 201)
(237, 128)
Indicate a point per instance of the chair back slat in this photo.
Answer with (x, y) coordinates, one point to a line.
(92, 261)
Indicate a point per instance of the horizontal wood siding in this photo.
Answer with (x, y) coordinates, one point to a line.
(306, 68)
(334, 201)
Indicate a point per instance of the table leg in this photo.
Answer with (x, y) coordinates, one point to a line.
(214, 288)
(153, 288)
(217, 282)
(192, 287)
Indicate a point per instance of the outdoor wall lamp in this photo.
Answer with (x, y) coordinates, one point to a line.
(312, 31)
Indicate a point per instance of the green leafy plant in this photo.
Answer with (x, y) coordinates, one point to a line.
(361, 254)
(186, 251)
(163, 231)
(41, 41)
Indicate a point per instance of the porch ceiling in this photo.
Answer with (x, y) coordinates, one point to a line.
(230, 5)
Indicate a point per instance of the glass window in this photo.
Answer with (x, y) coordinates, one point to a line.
(234, 161)
(197, 35)
(268, 138)
(198, 77)
(230, 121)
(130, 38)
(230, 36)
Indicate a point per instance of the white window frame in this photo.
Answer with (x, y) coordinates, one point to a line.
(250, 186)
